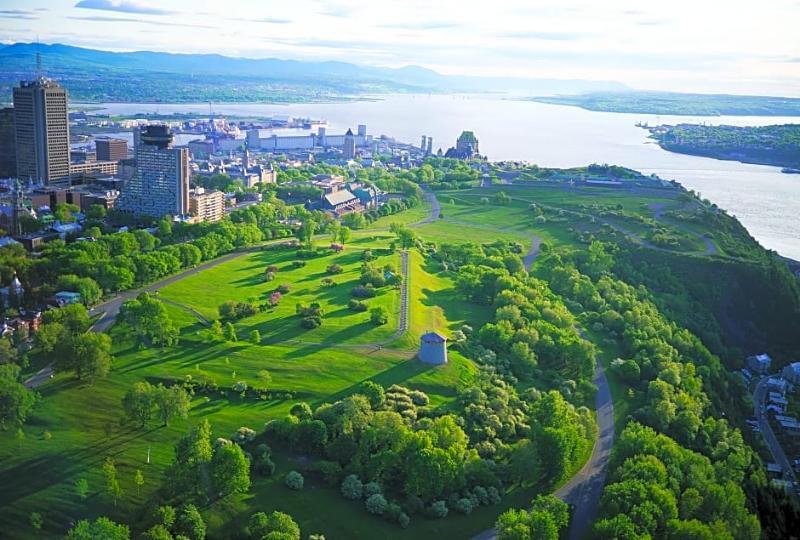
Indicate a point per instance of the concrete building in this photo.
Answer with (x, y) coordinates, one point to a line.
(8, 152)
(207, 205)
(160, 183)
(792, 373)
(349, 147)
(433, 349)
(80, 171)
(759, 363)
(41, 128)
(322, 139)
(111, 149)
(341, 202)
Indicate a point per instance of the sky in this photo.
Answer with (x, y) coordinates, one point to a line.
(733, 46)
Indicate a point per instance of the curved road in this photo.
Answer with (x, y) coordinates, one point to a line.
(775, 448)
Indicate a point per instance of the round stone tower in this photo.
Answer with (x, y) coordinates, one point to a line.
(433, 349)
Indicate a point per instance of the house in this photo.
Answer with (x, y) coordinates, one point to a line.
(341, 202)
(759, 363)
(368, 195)
(64, 298)
(791, 373)
(777, 384)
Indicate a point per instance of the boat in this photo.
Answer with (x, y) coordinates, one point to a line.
(790, 170)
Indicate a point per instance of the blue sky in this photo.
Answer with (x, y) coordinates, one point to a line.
(735, 46)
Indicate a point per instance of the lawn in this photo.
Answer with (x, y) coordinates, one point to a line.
(243, 280)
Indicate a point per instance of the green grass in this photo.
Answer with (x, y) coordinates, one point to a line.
(242, 279)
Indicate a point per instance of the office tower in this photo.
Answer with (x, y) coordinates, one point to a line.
(8, 154)
(111, 149)
(362, 130)
(349, 148)
(422, 143)
(429, 149)
(160, 183)
(41, 129)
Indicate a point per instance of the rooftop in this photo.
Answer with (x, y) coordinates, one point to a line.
(339, 197)
(435, 337)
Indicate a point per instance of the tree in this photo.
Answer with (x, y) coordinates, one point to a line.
(36, 520)
(16, 400)
(216, 329)
(102, 527)
(374, 392)
(352, 488)
(189, 523)
(96, 212)
(8, 353)
(113, 489)
(164, 227)
(87, 354)
(150, 320)
(343, 235)
(280, 525)
(138, 402)
(230, 470)
(379, 315)
(87, 287)
(264, 379)
(82, 488)
(138, 479)
(229, 332)
(172, 402)
(255, 337)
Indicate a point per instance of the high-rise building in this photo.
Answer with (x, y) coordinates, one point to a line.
(160, 183)
(41, 127)
(8, 153)
(111, 149)
(349, 148)
(207, 205)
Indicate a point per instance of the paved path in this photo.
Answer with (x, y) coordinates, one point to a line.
(775, 448)
(436, 210)
(583, 490)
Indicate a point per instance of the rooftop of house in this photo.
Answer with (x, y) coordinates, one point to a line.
(339, 197)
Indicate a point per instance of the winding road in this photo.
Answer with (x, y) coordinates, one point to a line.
(775, 448)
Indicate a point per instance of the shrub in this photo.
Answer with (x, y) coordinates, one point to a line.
(335, 269)
(363, 291)
(240, 386)
(494, 495)
(438, 510)
(283, 288)
(272, 268)
(244, 435)
(376, 504)
(464, 506)
(357, 306)
(301, 410)
(481, 494)
(231, 310)
(298, 264)
(393, 512)
(294, 480)
(337, 247)
(372, 488)
(379, 315)
(367, 255)
(328, 282)
(404, 520)
(414, 505)
(269, 276)
(309, 323)
(419, 398)
(263, 463)
(274, 299)
(352, 488)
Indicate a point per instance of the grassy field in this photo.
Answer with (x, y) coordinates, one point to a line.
(75, 427)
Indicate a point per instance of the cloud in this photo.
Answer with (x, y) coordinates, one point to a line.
(545, 36)
(336, 10)
(432, 25)
(100, 18)
(272, 20)
(17, 14)
(123, 6)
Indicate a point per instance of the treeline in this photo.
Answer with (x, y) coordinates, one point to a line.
(677, 388)
(771, 145)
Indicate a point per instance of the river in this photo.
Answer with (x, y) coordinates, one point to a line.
(765, 200)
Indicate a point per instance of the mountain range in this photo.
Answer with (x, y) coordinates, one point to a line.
(74, 66)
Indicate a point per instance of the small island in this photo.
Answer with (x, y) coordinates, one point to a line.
(678, 104)
(766, 145)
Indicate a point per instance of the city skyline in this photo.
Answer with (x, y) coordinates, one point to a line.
(682, 46)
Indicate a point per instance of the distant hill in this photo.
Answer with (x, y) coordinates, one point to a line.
(673, 103)
(96, 75)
